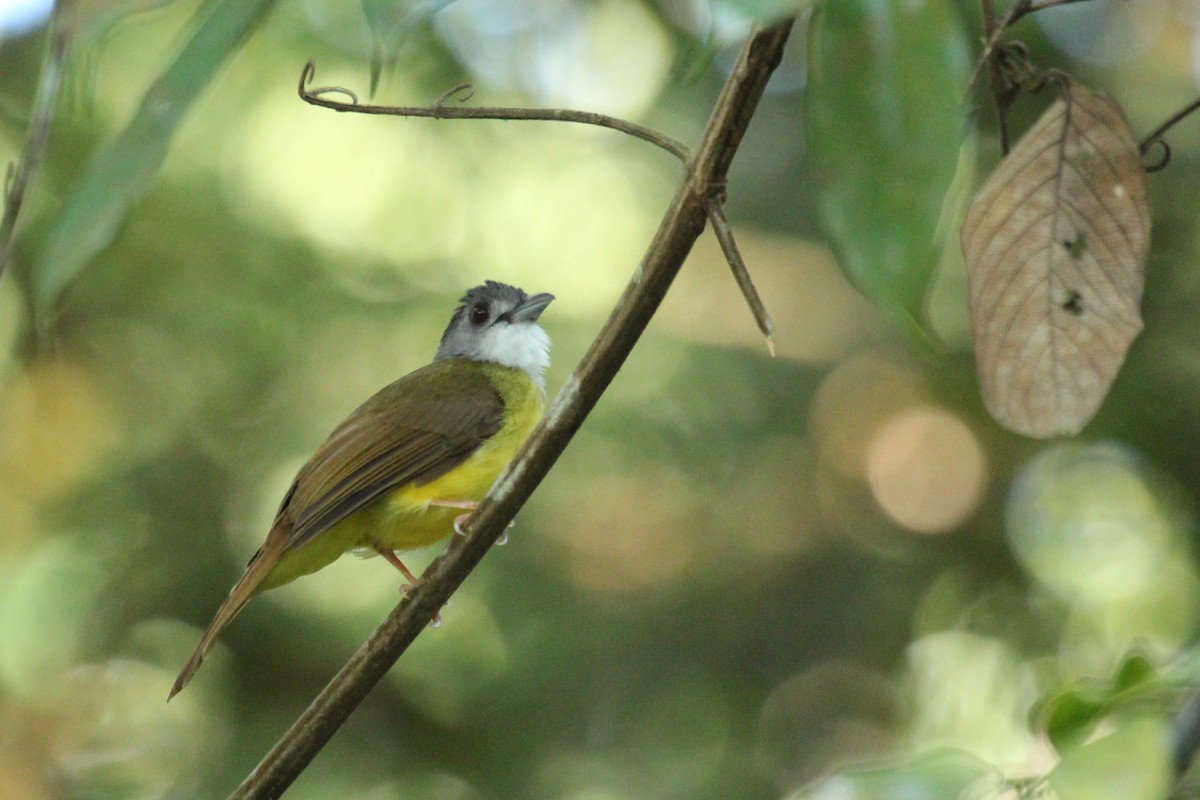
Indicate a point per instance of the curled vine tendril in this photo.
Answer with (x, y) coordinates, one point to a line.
(1155, 137)
(1164, 158)
(466, 90)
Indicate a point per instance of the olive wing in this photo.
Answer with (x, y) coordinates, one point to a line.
(410, 432)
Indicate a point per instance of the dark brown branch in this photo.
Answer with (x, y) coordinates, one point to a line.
(439, 110)
(678, 231)
(716, 215)
(18, 179)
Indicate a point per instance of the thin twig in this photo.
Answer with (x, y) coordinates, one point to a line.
(1004, 91)
(45, 102)
(678, 231)
(1030, 8)
(1155, 137)
(439, 110)
(993, 27)
(464, 91)
(716, 215)
(1002, 94)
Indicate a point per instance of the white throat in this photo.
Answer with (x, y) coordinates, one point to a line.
(523, 345)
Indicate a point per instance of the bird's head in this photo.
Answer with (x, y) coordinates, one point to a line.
(497, 323)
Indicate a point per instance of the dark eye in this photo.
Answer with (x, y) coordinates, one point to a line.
(478, 315)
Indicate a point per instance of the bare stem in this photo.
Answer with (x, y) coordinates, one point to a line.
(678, 231)
(440, 110)
(1004, 91)
(321, 96)
(1026, 7)
(18, 179)
(1001, 91)
(716, 215)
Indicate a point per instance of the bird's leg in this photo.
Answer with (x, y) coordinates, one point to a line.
(393, 559)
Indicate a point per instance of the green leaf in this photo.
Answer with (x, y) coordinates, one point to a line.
(929, 776)
(1071, 715)
(119, 174)
(885, 124)
(1132, 763)
(391, 22)
(766, 10)
(1136, 672)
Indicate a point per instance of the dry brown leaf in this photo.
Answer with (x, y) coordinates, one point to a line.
(1055, 244)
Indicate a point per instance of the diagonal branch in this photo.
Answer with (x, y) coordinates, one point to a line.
(678, 231)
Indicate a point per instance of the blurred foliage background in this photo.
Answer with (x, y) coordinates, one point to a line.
(823, 575)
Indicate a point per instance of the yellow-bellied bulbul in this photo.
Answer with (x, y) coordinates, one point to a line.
(400, 471)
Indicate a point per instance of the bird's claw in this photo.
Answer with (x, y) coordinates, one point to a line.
(461, 520)
(406, 590)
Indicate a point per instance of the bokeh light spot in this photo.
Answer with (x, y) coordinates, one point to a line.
(446, 674)
(819, 317)
(45, 610)
(117, 737)
(830, 715)
(54, 429)
(854, 401)
(380, 188)
(1161, 618)
(535, 182)
(971, 692)
(926, 470)
(1088, 522)
(610, 56)
(769, 505)
(19, 16)
(1106, 32)
(625, 532)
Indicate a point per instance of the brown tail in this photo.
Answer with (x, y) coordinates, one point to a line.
(241, 592)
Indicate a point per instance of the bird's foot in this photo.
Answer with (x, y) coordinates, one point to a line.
(461, 520)
(406, 589)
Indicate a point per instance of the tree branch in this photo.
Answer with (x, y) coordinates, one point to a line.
(724, 233)
(464, 91)
(678, 231)
(18, 178)
(439, 110)
(1027, 7)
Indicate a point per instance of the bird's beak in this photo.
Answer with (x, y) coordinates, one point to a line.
(531, 309)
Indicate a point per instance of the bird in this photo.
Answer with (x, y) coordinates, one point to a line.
(407, 466)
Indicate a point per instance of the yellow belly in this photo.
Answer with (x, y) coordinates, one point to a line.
(406, 518)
